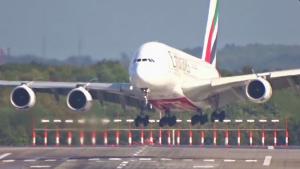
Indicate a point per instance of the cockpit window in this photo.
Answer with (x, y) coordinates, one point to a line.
(143, 60)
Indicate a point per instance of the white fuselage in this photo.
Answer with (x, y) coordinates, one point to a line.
(164, 71)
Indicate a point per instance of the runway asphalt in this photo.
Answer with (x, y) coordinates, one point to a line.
(147, 157)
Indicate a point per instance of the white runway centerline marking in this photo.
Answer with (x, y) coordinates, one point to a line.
(50, 160)
(145, 159)
(71, 160)
(8, 161)
(250, 161)
(229, 160)
(203, 166)
(30, 160)
(165, 159)
(94, 159)
(4, 155)
(267, 161)
(114, 159)
(209, 160)
(187, 160)
(40, 166)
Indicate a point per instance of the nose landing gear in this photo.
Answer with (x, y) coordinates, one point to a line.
(143, 119)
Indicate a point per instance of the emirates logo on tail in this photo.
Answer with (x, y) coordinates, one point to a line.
(211, 35)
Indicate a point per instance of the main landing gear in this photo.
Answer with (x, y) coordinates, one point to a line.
(203, 118)
(218, 115)
(143, 119)
(168, 119)
(199, 118)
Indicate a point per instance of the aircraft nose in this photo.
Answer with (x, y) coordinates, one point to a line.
(144, 76)
(148, 76)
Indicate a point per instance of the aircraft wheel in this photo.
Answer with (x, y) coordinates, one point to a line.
(222, 116)
(203, 119)
(172, 121)
(213, 116)
(146, 121)
(195, 119)
(137, 121)
(163, 121)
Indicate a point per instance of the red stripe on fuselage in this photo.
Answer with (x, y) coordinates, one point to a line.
(178, 103)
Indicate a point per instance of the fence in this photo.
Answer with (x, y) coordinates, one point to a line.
(227, 133)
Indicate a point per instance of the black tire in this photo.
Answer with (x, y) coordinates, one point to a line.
(172, 121)
(145, 121)
(213, 117)
(195, 119)
(137, 121)
(222, 116)
(163, 122)
(203, 119)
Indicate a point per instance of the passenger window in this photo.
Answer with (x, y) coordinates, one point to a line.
(138, 60)
(144, 60)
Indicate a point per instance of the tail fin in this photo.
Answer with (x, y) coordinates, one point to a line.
(211, 34)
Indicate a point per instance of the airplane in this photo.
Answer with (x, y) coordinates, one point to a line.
(167, 79)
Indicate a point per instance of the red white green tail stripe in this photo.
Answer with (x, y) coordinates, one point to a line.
(211, 35)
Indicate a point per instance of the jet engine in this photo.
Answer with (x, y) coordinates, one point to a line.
(259, 90)
(22, 97)
(79, 99)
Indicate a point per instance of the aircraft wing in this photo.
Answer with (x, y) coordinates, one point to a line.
(232, 89)
(271, 76)
(113, 92)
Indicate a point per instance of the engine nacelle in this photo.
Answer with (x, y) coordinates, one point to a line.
(259, 90)
(22, 97)
(79, 99)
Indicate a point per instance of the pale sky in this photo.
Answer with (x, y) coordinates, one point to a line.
(108, 27)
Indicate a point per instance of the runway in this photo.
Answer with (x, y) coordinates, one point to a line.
(147, 157)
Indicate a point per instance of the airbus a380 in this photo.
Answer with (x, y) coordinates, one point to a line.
(168, 79)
